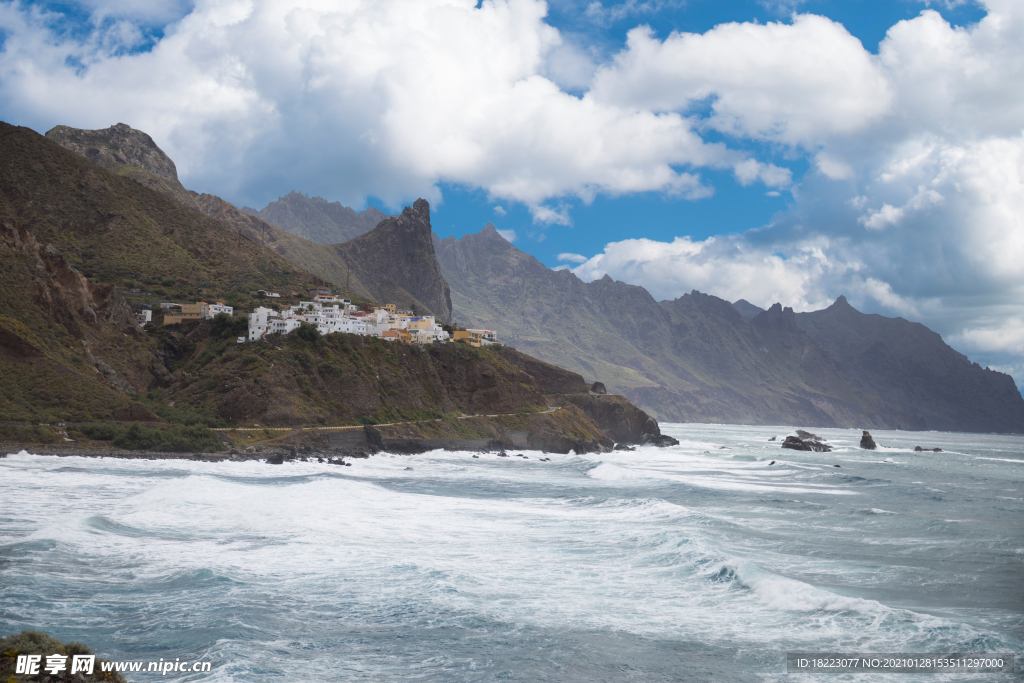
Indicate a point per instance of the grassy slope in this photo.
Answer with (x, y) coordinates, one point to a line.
(115, 230)
(339, 379)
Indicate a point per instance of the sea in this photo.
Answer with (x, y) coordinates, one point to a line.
(698, 562)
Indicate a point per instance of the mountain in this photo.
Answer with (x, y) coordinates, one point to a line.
(380, 269)
(123, 150)
(747, 309)
(697, 358)
(911, 366)
(396, 261)
(79, 240)
(75, 238)
(318, 220)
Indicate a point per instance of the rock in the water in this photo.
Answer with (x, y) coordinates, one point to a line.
(933, 450)
(598, 388)
(796, 443)
(660, 440)
(836, 465)
(772, 439)
(918, 449)
(276, 459)
(866, 442)
(772, 462)
(806, 442)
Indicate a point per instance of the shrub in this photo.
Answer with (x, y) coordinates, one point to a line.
(308, 333)
(175, 439)
(225, 326)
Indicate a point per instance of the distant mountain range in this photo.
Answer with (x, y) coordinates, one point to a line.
(696, 358)
(318, 220)
(699, 358)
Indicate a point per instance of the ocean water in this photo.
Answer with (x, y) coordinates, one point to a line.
(700, 562)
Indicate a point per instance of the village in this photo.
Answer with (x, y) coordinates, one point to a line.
(329, 314)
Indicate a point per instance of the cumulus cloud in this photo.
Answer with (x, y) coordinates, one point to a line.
(500, 211)
(389, 98)
(913, 203)
(509, 235)
(798, 83)
(572, 258)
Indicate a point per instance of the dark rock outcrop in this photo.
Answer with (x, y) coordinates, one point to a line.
(918, 449)
(598, 388)
(866, 442)
(805, 441)
(619, 419)
(396, 261)
(795, 443)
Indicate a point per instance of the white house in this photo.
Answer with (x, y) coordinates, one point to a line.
(259, 321)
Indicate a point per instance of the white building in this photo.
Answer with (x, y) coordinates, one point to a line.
(210, 310)
(259, 321)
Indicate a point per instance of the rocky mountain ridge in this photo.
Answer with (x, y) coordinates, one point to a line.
(363, 273)
(700, 358)
(75, 236)
(317, 219)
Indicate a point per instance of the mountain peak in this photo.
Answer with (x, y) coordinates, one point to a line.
(778, 317)
(841, 302)
(116, 147)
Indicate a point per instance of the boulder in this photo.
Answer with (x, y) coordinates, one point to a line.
(598, 388)
(866, 442)
(805, 441)
(795, 443)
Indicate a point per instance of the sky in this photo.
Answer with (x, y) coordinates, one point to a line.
(773, 150)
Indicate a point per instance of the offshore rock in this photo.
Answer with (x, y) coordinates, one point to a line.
(866, 442)
(805, 441)
(795, 443)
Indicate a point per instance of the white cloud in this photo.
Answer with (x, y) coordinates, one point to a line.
(914, 206)
(548, 216)
(500, 211)
(349, 99)
(509, 235)
(798, 83)
(572, 258)
(833, 167)
(1006, 336)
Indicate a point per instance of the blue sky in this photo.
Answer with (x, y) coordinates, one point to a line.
(772, 150)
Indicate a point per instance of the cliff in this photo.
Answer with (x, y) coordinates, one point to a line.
(406, 273)
(396, 261)
(700, 358)
(912, 367)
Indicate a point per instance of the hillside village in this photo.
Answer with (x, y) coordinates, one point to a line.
(329, 314)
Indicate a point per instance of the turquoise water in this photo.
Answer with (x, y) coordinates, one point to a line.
(699, 562)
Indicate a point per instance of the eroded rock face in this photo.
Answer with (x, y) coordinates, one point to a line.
(795, 443)
(866, 442)
(406, 239)
(598, 388)
(622, 421)
(119, 145)
(805, 441)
